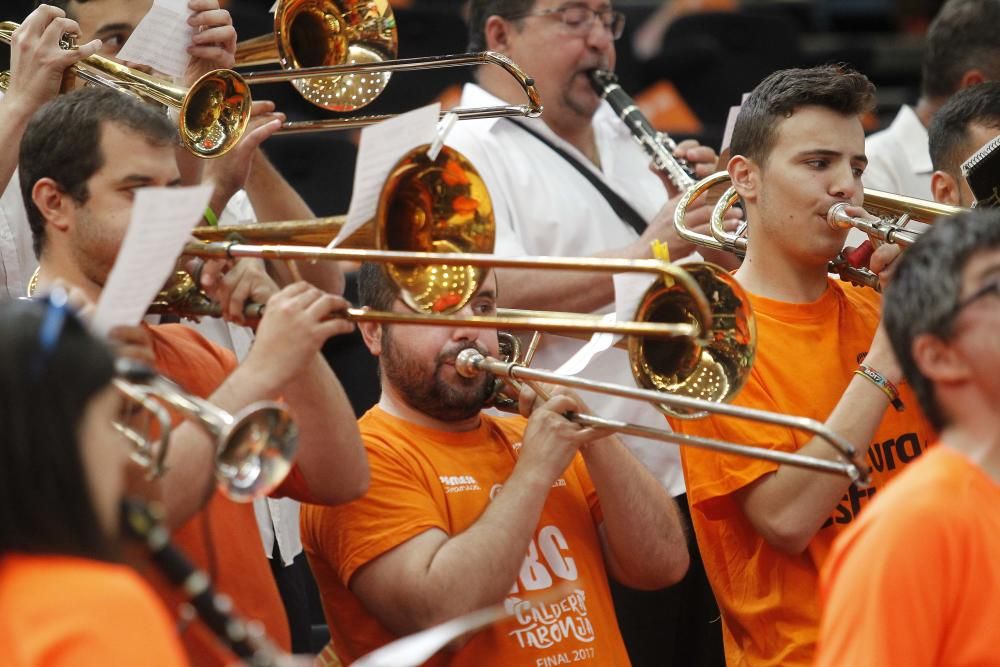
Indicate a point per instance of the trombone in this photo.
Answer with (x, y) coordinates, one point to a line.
(694, 331)
(891, 213)
(212, 114)
(531, 109)
(339, 55)
(470, 363)
(254, 447)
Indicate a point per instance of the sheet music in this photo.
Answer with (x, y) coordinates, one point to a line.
(380, 148)
(161, 223)
(161, 39)
(727, 134)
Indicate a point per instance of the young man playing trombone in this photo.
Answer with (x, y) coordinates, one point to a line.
(764, 529)
(82, 156)
(466, 510)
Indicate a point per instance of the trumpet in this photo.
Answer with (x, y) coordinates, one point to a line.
(254, 447)
(470, 363)
(891, 211)
(213, 113)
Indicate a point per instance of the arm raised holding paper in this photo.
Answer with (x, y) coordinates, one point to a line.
(79, 212)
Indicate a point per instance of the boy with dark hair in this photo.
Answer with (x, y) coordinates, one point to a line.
(966, 123)
(764, 529)
(915, 581)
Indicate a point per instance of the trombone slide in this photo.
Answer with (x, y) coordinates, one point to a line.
(470, 362)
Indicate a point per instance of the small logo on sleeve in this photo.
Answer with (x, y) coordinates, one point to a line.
(459, 483)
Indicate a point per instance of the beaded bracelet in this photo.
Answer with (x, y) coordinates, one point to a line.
(882, 383)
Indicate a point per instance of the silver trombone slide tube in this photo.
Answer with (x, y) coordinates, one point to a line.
(471, 362)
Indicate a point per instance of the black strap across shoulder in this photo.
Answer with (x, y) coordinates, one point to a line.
(621, 207)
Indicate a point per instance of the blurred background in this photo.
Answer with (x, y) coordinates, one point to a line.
(685, 61)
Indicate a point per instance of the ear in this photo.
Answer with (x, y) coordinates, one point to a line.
(744, 173)
(371, 333)
(972, 77)
(944, 188)
(938, 360)
(498, 32)
(55, 205)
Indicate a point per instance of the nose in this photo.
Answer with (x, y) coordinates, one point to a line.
(845, 185)
(599, 37)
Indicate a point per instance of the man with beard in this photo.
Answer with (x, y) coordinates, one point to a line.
(467, 510)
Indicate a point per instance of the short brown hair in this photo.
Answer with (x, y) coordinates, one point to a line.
(948, 135)
(63, 142)
(835, 87)
(481, 10)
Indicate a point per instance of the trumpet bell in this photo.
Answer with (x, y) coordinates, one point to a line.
(714, 369)
(215, 112)
(438, 206)
(259, 449)
(318, 33)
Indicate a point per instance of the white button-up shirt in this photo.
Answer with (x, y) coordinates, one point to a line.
(544, 206)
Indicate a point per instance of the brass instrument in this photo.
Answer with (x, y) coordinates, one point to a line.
(892, 212)
(470, 363)
(317, 33)
(531, 109)
(213, 113)
(339, 55)
(254, 447)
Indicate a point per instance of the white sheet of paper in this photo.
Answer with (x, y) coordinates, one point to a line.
(727, 134)
(598, 343)
(629, 288)
(161, 38)
(380, 148)
(161, 223)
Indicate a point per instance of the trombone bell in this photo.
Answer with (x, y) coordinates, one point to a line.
(438, 206)
(321, 33)
(713, 369)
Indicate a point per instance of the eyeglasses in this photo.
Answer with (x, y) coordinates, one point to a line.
(57, 305)
(579, 19)
(989, 289)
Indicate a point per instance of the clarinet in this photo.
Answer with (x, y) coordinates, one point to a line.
(658, 145)
(247, 641)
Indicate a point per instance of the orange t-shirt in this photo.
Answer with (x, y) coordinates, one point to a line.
(806, 355)
(236, 560)
(423, 479)
(915, 581)
(62, 611)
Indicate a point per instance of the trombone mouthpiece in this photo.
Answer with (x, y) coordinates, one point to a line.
(467, 362)
(837, 218)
